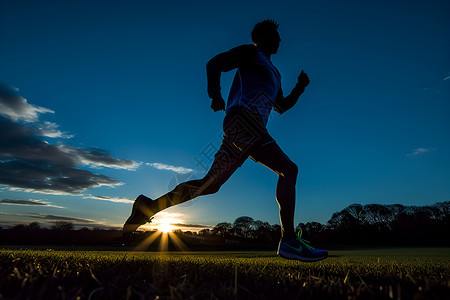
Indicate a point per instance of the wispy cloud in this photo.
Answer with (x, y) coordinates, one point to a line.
(161, 166)
(110, 199)
(96, 157)
(50, 217)
(49, 129)
(446, 78)
(48, 220)
(172, 216)
(63, 193)
(16, 107)
(197, 226)
(420, 151)
(27, 202)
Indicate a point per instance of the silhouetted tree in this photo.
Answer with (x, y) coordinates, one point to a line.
(358, 213)
(204, 232)
(19, 227)
(62, 225)
(340, 221)
(34, 226)
(378, 216)
(310, 230)
(442, 210)
(276, 231)
(222, 229)
(262, 230)
(242, 226)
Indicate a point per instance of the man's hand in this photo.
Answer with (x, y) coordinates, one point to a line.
(303, 80)
(218, 104)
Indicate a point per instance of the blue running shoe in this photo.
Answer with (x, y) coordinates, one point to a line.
(299, 249)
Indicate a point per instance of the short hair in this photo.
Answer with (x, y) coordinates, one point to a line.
(262, 28)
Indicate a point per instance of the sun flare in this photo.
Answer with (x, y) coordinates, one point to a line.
(165, 227)
(161, 228)
(164, 222)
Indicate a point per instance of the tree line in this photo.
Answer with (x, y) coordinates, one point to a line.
(357, 224)
(371, 224)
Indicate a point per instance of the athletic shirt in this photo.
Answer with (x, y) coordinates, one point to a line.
(256, 84)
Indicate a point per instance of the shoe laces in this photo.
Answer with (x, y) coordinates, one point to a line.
(302, 241)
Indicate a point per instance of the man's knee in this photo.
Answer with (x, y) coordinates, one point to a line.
(291, 171)
(211, 186)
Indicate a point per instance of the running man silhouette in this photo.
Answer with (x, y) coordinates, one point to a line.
(255, 91)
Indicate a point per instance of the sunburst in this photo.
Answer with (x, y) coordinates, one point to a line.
(166, 227)
(164, 223)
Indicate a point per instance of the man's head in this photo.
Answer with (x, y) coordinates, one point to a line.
(265, 36)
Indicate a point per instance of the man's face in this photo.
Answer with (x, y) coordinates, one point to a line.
(270, 42)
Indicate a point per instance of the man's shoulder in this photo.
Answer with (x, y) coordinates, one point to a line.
(246, 48)
(249, 47)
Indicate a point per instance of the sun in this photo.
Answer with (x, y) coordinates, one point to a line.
(165, 222)
(165, 227)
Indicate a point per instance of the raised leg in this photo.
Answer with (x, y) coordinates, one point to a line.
(221, 169)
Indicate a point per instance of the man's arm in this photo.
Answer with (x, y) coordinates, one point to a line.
(283, 104)
(225, 62)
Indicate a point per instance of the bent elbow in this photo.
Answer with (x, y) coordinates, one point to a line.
(212, 64)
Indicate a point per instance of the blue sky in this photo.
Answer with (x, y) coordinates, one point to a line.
(116, 105)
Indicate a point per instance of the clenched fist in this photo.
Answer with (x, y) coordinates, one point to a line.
(218, 104)
(303, 80)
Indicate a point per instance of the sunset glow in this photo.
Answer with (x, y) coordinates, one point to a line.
(165, 227)
(164, 222)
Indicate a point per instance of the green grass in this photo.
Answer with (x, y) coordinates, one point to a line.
(351, 274)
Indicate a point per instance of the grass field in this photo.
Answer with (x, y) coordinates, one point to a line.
(351, 274)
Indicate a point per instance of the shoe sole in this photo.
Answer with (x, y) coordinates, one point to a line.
(289, 255)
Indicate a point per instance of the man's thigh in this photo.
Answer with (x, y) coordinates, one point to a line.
(225, 163)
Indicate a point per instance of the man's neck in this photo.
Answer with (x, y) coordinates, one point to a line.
(267, 53)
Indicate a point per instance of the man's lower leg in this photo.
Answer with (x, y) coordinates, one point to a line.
(184, 192)
(286, 201)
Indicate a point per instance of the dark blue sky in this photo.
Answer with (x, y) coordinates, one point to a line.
(116, 100)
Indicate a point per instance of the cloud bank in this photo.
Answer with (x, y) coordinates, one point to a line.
(27, 202)
(28, 161)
